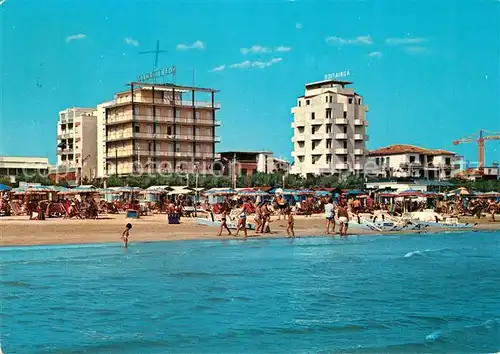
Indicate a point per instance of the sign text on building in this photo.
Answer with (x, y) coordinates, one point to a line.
(157, 73)
(333, 76)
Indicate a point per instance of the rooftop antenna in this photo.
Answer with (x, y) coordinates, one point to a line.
(157, 52)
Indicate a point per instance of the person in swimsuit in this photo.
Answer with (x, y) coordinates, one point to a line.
(242, 220)
(223, 224)
(289, 228)
(282, 205)
(126, 234)
(330, 216)
(258, 217)
(343, 219)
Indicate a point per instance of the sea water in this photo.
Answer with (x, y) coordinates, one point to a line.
(390, 294)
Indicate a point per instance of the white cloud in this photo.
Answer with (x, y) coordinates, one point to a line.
(298, 25)
(415, 50)
(375, 54)
(255, 49)
(405, 40)
(195, 45)
(219, 68)
(282, 48)
(131, 41)
(255, 64)
(74, 37)
(357, 40)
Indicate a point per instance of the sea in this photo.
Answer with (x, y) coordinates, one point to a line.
(432, 293)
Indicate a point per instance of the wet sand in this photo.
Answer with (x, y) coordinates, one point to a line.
(21, 231)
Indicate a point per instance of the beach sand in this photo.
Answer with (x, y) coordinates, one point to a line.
(21, 231)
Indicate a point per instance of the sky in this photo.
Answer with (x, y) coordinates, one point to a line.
(428, 70)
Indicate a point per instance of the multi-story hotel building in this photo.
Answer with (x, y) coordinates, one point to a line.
(158, 128)
(329, 130)
(409, 161)
(76, 147)
(13, 167)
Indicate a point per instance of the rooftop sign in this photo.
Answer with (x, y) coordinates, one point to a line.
(156, 74)
(333, 76)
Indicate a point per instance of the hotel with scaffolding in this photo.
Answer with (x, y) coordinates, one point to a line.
(157, 128)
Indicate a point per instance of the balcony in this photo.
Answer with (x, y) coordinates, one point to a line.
(359, 122)
(341, 136)
(340, 151)
(119, 153)
(164, 101)
(297, 124)
(66, 135)
(341, 121)
(358, 151)
(298, 137)
(66, 151)
(358, 167)
(128, 118)
(358, 137)
(341, 166)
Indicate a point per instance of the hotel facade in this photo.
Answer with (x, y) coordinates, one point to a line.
(76, 142)
(329, 130)
(157, 128)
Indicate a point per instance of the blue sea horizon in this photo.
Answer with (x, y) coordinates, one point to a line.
(391, 294)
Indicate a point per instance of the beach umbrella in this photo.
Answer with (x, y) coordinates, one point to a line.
(252, 193)
(128, 189)
(304, 191)
(220, 191)
(410, 193)
(4, 188)
(323, 193)
(354, 192)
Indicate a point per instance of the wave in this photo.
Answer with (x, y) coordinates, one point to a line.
(426, 252)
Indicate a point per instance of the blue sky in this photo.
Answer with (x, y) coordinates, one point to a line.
(429, 71)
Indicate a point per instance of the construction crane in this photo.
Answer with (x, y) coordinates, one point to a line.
(480, 144)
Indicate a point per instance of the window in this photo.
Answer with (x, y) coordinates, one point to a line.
(197, 114)
(359, 101)
(345, 144)
(331, 99)
(328, 113)
(345, 114)
(377, 161)
(313, 145)
(447, 161)
(300, 130)
(345, 130)
(412, 159)
(350, 100)
(313, 115)
(137, 110)
(307, 102)
(177, 113)
(137, 129)
(345, 159)
(313, 130)
(328, 143)
(208, 115)
(301, 158)
(326, 99)
(169, 130)
(301, 144)
(328, 158)
(328, 128)
(387, 160)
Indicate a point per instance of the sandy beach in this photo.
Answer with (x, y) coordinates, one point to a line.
(21, 231)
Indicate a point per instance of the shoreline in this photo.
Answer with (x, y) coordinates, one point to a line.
(19, 232)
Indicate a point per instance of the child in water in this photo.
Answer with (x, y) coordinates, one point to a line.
(125, 234)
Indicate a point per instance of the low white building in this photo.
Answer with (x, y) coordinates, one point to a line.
(14, 167)
(409, 161)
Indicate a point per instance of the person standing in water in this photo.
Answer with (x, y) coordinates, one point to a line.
(343, 219)
(289, 228)
(330, 216)
(126, 234)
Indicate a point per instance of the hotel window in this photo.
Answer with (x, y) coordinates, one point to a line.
(377, 161)
(350, 100)
(299, 103)
(345, 114)
(307, 102)
(412, 159)
(313, 115)
(328, 143)
(328, 113)
(328, 128)
(345, 159)
(137, 129)
(136, 110)
(326, 99)
(189, 114)
(169, 130)
(197, 114)
(177, 114)
(208, 115)
(300, 130)
(301, 158)
(345, 144)
(331, 99)
(447, 161)
(301, 144)
(345, 130)
(329, 158)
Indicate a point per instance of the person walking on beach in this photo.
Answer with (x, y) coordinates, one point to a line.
(290, 220)
(330, 216)
(258, 217)
(343, 219)
(223, 221)
(126, 234)
(242, 219)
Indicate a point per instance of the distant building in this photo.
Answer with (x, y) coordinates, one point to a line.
(14, 167)
(409, 161)
(250, 162)
(157, 128)
(329, 130)
(77, 143)
(473, 174)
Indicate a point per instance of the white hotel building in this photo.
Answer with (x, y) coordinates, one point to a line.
(329, 130)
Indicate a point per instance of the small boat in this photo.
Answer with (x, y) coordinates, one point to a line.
(215, 223)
